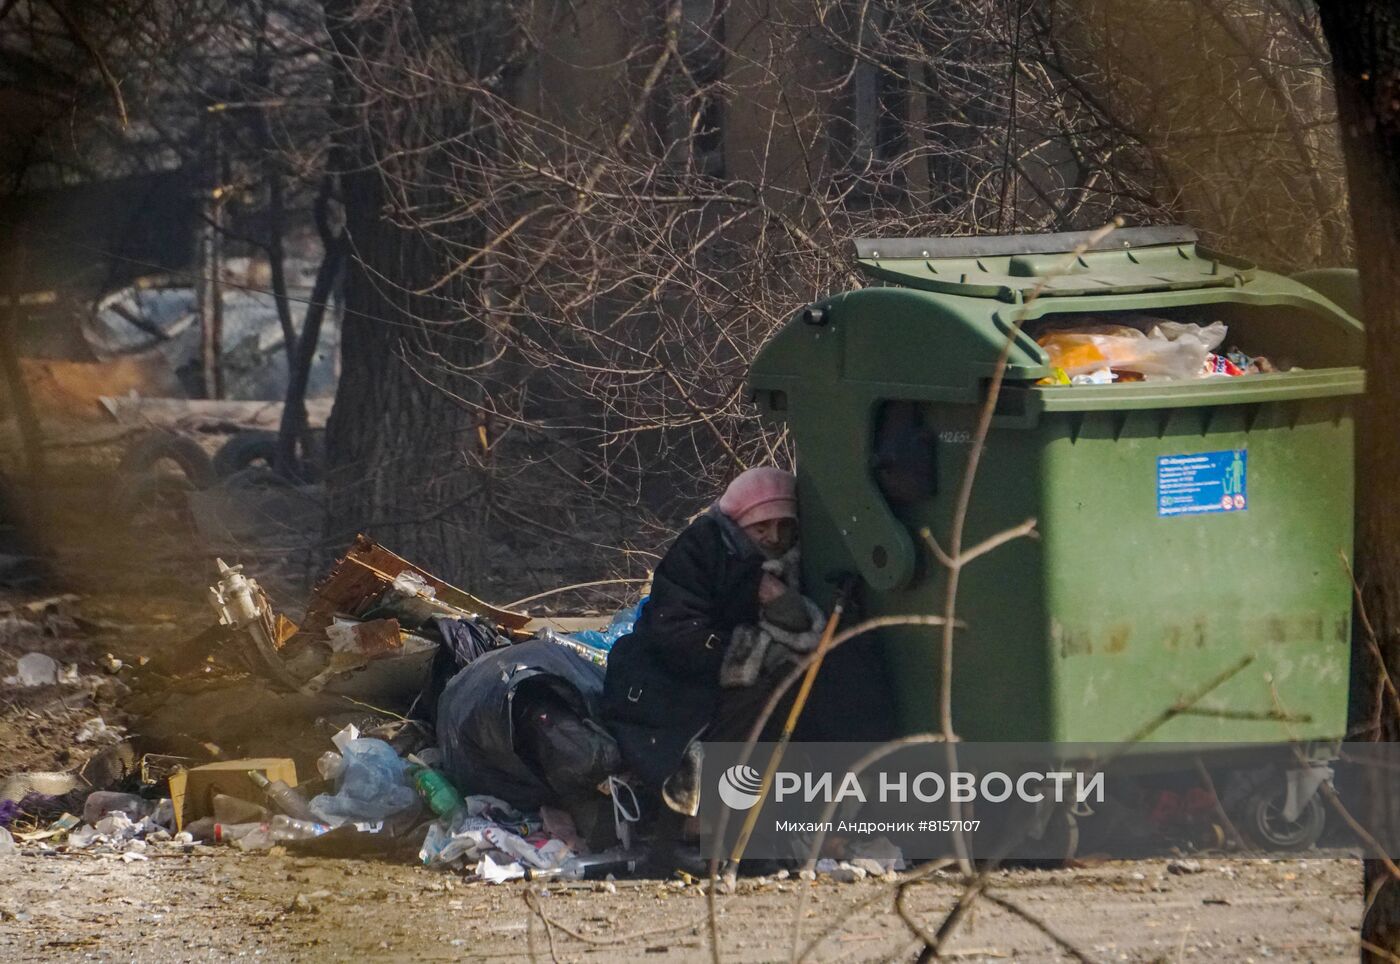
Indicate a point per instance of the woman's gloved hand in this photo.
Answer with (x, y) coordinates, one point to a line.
(788, 612)
(770, 587)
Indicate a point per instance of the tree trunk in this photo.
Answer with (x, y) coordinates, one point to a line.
(1365, 42)
(397, 463)
(291, 432)
(21, 404)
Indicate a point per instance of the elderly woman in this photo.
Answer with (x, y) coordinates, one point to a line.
(724, 621)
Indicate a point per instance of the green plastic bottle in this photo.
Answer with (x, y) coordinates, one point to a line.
(436, 790)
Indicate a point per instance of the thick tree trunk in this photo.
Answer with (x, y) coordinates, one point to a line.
(397, 443)
(1365, 42)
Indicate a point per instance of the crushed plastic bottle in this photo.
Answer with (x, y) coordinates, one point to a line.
(102, 802)
(330, 765)
(8, 847)
(282, 796)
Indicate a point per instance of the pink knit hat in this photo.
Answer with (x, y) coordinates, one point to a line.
(760, 494)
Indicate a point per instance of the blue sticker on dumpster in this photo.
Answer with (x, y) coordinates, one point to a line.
(1203, 482)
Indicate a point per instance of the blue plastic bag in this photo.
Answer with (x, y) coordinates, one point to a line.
(372, 786)
(621, 625)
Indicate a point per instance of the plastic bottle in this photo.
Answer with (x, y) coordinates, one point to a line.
(594, 867)
(436, 790)
(283, 797)
(289, 828)
(228, 809)
(225, 832)
(102, 802)
(202, 830)
(329, 765)
(259, 838)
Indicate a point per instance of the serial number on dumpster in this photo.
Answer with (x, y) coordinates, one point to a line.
(1203, 482)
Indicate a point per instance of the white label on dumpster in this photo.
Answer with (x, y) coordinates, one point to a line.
(1203, 482)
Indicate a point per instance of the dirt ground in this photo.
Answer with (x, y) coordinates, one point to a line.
(219, 905)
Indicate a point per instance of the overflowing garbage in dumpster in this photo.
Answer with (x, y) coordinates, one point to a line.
(1094, 350)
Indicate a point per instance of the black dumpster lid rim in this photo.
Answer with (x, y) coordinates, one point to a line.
(999, 245)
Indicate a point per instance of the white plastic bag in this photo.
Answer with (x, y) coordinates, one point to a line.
(1169, 349)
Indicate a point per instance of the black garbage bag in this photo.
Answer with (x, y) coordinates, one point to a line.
(459, 642)
(520, 723)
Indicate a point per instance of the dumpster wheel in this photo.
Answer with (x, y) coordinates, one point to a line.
(1261, 820)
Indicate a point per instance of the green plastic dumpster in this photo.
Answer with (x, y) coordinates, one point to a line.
(1183, 525)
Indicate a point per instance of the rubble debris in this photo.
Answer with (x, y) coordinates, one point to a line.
(358, 580)
(877, 857)
(371, 639)
(308, 903)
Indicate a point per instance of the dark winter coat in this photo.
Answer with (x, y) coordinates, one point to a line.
(662, 685)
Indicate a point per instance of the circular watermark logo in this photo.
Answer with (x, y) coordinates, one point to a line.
(739, 786)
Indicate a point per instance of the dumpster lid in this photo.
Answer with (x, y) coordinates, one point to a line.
(1009, 267)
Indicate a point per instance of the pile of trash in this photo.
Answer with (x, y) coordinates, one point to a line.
(1135, 348)
(494, 765)
(495, 759)
(255, 804)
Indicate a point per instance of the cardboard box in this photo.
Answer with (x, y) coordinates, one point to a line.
(192, 791)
